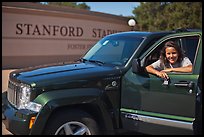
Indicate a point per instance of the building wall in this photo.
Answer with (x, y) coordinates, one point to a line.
(34, 34)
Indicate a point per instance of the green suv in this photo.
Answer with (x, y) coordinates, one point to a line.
(108, 90)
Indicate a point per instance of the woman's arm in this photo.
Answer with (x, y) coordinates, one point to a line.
(180, 69)
(161, 74)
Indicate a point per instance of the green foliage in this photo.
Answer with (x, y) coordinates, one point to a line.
(71, 4)
(161, 16)
(83, 6)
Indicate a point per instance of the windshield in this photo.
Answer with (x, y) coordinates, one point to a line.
(113, 50)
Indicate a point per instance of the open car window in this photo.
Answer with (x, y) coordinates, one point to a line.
(188, 44)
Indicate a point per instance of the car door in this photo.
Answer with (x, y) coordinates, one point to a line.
(154, 106)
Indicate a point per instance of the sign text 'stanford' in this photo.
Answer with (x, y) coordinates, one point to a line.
(57, 30)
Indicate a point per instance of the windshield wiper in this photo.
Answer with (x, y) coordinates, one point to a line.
(82, 60)
(97, 61)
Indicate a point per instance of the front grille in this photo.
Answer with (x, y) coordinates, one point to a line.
(13, 93)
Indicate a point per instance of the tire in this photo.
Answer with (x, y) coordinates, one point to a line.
(71, 122)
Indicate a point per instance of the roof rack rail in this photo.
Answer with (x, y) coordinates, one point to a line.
(181, 30)
(185, 30)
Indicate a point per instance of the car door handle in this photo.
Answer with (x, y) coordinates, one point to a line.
(184, 84)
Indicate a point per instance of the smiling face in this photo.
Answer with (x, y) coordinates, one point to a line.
(171, 54)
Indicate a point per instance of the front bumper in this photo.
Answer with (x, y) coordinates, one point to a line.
(16, 121)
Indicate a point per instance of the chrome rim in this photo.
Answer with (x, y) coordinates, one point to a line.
(73, 128)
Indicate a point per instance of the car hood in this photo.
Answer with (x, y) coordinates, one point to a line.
(63, 73)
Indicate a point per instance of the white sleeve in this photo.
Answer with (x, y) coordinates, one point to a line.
(157, 65)
(186, 61)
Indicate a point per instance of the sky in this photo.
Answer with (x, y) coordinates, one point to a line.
(115, 8)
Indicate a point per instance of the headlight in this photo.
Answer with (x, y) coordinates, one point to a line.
(24, 96)
(24, 99)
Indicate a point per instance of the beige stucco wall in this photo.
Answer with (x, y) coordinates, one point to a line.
(34, 34)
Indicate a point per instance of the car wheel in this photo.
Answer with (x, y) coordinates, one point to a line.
(72, 122)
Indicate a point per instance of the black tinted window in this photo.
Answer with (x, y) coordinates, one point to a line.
(189, 45)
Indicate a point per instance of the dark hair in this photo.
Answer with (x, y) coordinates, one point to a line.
(163, 52)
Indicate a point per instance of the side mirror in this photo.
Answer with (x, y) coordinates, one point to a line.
(136, 66)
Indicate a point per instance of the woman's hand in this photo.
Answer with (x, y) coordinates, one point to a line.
(162, 74)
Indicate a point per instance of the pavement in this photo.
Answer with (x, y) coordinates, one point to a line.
(5, 74)
(4, 131)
